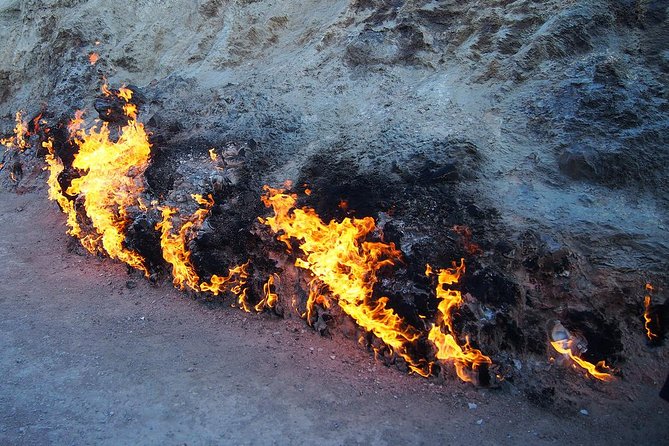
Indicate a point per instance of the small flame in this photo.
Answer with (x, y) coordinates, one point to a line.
(213, 155)
(467, 360)
(177, 253)
(235, 282)
(648, 317)
(270, 298)
(18, 140)
(93, 58)
(105, 89)
(130, 110)
(567, 346)
(125, 93)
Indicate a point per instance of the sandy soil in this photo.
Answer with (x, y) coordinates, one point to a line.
(92, 355)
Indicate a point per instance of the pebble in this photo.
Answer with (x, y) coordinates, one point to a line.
(584, 412)
(332, 357)
(472, 406)
(479, 422)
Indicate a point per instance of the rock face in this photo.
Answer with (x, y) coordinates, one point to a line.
(540, 125)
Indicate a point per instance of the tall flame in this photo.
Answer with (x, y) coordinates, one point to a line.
(342, 259)
(110, 183)
(467, 360)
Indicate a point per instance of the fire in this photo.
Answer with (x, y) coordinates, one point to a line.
(18, 140)
(566, 344)
(467, 360)
(175, 246)
(648, 318)
(212, 154)
(93, 58)
(177, 253)
(125, 93)
(234, 281)
(270, 298)
(110, 183)
(345, 264)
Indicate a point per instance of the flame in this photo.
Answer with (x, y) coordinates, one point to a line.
(176, 252)
(77, 122)
(105, 89)
(130, 110)
(212, 154)
(345, 263)
(465, 233)
(175, 246)
(567, 346)
(110, 183)
(234, 281)
(125, 93)
(56, 193)
(467, 360)
(18, 140)
(93, 58)
(270, 298)
(648, 319)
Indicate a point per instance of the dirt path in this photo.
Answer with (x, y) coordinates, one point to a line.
(90, 355)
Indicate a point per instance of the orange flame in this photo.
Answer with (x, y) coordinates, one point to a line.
(175, 246)
(344, 262)
(567, 346)
(18, 140)
(467, 360)
(270, 298)
(93, 58)
(56, 193)
(648, 319)
(234, 281)
(176, 252)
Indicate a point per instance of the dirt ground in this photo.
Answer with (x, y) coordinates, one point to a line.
(92, 355)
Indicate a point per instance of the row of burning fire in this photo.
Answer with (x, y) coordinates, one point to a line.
(342, 258)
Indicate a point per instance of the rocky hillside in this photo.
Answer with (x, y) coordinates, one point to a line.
(541, 125)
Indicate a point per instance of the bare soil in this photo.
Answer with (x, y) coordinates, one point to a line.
(92, 355)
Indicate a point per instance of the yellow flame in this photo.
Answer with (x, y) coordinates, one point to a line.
(270, 298)
(467, 360)
(175, 246)
(110, 183)
(212, 154)
(55, 167)
(18, 140)
(339, 256)
(600, 371)
(234, 281)
(125, 93)
(112, 180)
